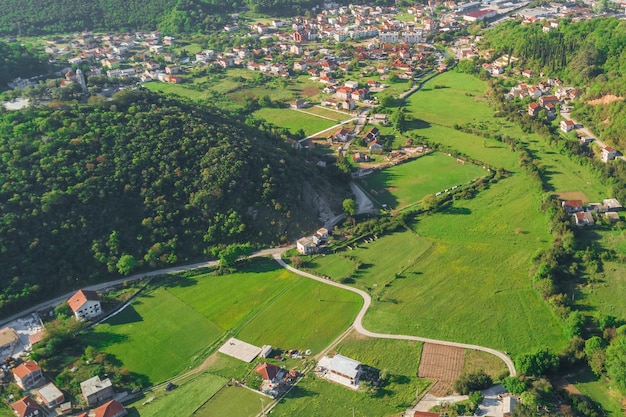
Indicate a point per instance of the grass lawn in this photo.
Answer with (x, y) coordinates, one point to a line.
(476, 360)
(183, 401)
(159, 335)
(605, 294)
(5, 411)
(405, 184)
(332, 114)
(472, 286)
(178, 89)
(233, 401)
(309, 315)
(295, 120)
(598, 390)
(173, 327)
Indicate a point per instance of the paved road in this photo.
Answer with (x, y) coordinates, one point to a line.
(589, 133)
(367, 301)
(99, 287)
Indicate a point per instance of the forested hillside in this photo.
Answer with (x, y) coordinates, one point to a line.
(590, 55)
(17, 61)
(36, 17)
(142, 181)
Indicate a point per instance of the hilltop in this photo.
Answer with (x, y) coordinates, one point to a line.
(141, 181)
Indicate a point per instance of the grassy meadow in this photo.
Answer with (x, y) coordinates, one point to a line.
(183, 401)
(295, 120)
(173, 327)
(405, 184)
(233, 401)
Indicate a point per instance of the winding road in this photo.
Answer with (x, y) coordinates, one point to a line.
(367, 301)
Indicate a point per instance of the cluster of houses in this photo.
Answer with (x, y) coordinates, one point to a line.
(43, 397)
(312, 244)
(98, 394)
(276, 380)
(583, 214)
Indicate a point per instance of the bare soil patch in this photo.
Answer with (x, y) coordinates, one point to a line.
(609, 98)
(572, 195)
(310, 91)
(443, 364)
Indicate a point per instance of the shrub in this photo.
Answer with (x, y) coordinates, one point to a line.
(474, 381)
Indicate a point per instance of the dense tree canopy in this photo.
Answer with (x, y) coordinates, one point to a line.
(142, 181)
(17, 61)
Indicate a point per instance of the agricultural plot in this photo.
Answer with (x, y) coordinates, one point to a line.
(406, 184)
(294, 120)
(480, 257)
(232, 401)
(171, 328)
(476, 360)
(444, 364)
(183, 401)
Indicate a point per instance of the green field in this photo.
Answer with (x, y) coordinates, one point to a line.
(183, 401)
(405, 184)
(295, 120)
(473, 285)
(171, 328)
(314, 396)
(233, 401)
(599, 391)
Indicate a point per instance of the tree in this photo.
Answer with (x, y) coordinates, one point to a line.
(537, 363)
(229, 254)
(514, 385)
(430, 202)
(473, 381)
(126, 264)
(296, 261)
(349, 207)
(398, 118)
(616, 362)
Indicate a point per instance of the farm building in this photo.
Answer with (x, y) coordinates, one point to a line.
(341, 369)
(320, 236)
(612, 204)
(572, 206)
(583, 218)
(85, 304)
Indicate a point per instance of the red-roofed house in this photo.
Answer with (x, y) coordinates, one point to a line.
(26, 407)
(85, 304)
(270, 372)
(567, 125)
(28, 375)
(110, 409)
(572, 206)
(534, 108)
(608, 154)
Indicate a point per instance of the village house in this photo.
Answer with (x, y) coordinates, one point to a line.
(375, 147)
(567, 126)
(50, 396)
(28, 375)
(110, 409)
(608, 154)
(8, 338)
(534, 108)
(96, 391)
(583, 218)
(543, 100)
(305, 246)
(612, 205)
(360, 157)
(342, 370)
(298, 104)
(320, 236)
(371, 135)
(26, 407)
(572, 206)
(85, 304)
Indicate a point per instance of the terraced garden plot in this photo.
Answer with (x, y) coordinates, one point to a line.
(443, 364)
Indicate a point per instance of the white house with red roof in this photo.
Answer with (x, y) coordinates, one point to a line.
(28, 375)
(111, 409)
(85, 304)
(26, 407)
(608, 154)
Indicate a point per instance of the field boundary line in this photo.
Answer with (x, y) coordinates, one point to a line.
(367, 300)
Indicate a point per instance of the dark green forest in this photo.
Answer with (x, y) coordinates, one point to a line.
(87, 192)
(37, 17)
(590, 55)
(17, 61)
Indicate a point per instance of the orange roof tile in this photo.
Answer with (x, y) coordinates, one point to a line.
(80, 298)
(25, 369)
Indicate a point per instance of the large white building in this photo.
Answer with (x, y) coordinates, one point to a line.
(388, 36)
(342, 370)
